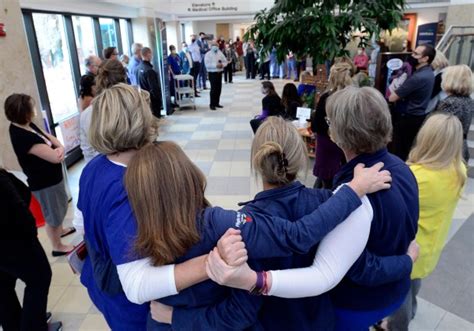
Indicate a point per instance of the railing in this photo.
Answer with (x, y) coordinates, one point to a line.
(458, 45)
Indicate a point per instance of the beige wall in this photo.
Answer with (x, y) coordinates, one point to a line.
(460, 15)
(16, 72)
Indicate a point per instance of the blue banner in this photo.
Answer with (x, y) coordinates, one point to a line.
(427, 34)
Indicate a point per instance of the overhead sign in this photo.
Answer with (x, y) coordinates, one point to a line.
(204, 7)
(427, 34)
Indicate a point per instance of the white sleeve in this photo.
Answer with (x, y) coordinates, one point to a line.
(143, 282)
(336, 253)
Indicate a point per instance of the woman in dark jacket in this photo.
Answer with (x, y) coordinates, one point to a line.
(271, 105)
(290, 100)
(21, 257)
(329, 157)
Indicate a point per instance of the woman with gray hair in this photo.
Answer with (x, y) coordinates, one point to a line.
(377, 284)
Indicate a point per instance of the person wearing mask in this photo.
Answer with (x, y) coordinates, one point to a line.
(110, 53)
(271, 105)
(186, 59)
(86, 92)
(215, 62)
(221, 43)
(111, 72)
(457, 84)
(413, 98)
(373, 59)
(291, 58)
(238, 45)
(40, 155)
(361, 60)
(264, 65)
(174, 68)
(437, 163)
(197, 59)
(149, 81)
(228, 70)
(274, 65)
(135, 61)
(204, 48)
(22, 257)
(92, 63)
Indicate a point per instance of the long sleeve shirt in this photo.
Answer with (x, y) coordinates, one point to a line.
(211, 59)
(381, 275)
(195, 52)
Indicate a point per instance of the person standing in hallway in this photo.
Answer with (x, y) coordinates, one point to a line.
(135, 61)
(412, 100)
(197, 59)
(204, 48)
(174, 68)
(215, 62)
(186, 60)
(149, 81)
(250, 57)
(21, 257)
(436, 161)
(110, 53)
(228, 70)
(240, 52)
(92, 63)
(40, 156)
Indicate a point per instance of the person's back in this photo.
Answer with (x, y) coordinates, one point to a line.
(313, 313)
(102, 199)
(393, 228)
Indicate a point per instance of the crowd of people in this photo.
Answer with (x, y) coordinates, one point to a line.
(348, 254)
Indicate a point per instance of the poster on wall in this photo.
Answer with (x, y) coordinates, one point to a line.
(70, 132)
(393, 70)
(427, 34)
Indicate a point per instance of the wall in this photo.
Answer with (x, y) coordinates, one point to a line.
(460, 15)
(206, 27)
(16, 70)
(426, 15)
(140, 30)
(173, 33)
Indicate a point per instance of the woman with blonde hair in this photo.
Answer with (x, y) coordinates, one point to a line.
(439, 64)
(329, 158)
(458, 85)
(436, 161)
(166, 189)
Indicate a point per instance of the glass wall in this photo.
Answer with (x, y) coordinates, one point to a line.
(108, 33)
(59, 44)
(85, 39)
(56, 63)
(124, 34)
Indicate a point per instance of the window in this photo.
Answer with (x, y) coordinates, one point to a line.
(108, 33)
(56, 64)
(85, 40)
(125, 38)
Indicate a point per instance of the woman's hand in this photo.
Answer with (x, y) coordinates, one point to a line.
(413, 250)
(218, 270)
(232, 248)
(160, 312)
(60, 152)
(370, 180)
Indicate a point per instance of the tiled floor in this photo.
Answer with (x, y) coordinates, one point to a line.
(219, 143)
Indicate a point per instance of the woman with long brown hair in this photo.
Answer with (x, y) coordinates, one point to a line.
(175, 223)
(271, 105)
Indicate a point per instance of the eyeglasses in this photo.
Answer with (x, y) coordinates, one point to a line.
(328, 121)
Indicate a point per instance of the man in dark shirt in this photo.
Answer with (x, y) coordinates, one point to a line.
(149, 81)
(416, 94)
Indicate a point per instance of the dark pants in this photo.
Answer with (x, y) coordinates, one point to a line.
(32, 267)
(265, 70)
(255, 123)
(250, 66)
(195, 72)
(203, 75)
(215, 78)
(405, 129)
(400, 320)
(228, 73)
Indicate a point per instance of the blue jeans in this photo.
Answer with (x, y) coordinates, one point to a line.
(292, 69)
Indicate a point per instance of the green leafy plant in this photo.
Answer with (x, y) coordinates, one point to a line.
(321, 29)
